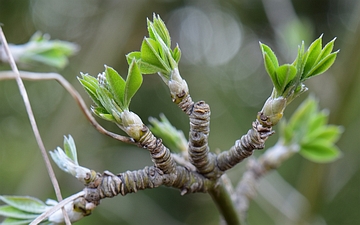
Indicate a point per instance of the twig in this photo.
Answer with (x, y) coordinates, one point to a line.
(33, 122)
(69, 88)
(56, 208)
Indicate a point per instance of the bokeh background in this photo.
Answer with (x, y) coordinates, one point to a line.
(222, 63)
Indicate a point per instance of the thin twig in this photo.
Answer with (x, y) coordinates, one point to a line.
(52, 210)
(33, 123)
(77, 97)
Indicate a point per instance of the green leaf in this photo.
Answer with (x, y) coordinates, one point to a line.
(133, 55)
(326, 50)
(70, 149)
(311, 56)
(323, 65)
(117, 85)
(9, 211)
(271, 64)
(174, 139)
(90, 88)
(145, 68)
(298, 63)
(320, 152)
(330, 133)
(25, 203)
(133, 83)
(285, 74)
(12, 221)
(93, 82)
(318, 121)
(105, 98)
(103, 114)
(151, 52)
(176, 54)
(157, 29)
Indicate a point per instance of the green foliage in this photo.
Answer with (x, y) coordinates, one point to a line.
(110, 92)
(174, 139)
(21, 210)
(308, 129)
(156, 55)
(70, 149)
(40, 49)
(287, 79)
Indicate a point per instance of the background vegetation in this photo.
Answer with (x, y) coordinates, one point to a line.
(222, 63)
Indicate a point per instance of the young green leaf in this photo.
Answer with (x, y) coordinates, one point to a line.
(25, 203)
(145, 68)
(91, 91)
(298, 63)
(13, 221)
(117, 85)
(319, 120)
(103, 114)
(12, 212)
(105, 97)
(133, 83)
(157, 29)
(329, 133)
(285, 74)
(176, 53)
(323, 65)
(311, 56)
(150, 53)
(326, 50)
(133, 55)
(320, 152)
(271, 64)
(70, 149)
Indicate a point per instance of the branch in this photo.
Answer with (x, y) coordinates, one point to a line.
(256, 169)
(243, 148)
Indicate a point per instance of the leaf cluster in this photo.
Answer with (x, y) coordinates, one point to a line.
(156, 55)
(110, 92)
(40, 49)
(288, 78)
(21, 210)
(308, 129)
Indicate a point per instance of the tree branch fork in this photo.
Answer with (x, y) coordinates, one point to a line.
(202, 171)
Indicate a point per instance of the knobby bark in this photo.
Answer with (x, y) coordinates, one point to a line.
(203, 177)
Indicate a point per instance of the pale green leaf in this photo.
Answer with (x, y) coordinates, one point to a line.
(133, 55)
(133, 83)
(13, 221)
(117, 85)
(176, 54)
(89, 88)
(9, 211)
(151, 52)
(323, 65)
(320, 152)
(271, 64)
(285, 74)
(25, 203)
(311, 56)
(70, 149)
(326, 50)
(102, 113)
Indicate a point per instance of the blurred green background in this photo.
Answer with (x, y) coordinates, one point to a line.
(222, 63)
